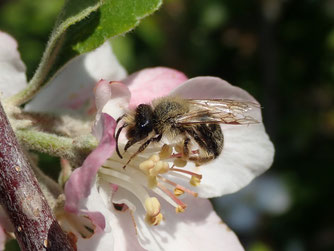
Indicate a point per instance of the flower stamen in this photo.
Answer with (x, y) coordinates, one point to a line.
(199, 176)
(152, 207)
(147, 173)
(178, 190)
(166, 152)
(172, 196)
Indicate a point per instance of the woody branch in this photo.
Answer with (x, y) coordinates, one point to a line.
(20, 195)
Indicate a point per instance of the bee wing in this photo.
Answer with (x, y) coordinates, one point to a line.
(218, 111)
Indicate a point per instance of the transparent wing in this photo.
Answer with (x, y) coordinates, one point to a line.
(216, 111)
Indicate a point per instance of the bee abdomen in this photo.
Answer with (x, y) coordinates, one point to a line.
(211, 137)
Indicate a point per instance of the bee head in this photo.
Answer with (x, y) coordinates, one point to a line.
(143, 125)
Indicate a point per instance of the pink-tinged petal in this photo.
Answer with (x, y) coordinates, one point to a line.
(198, 228)
(71, 90)
(111, 98)
(247, 151)
(121, 223)
(97, 218)
(12, 69)
(101, 240)
(151, 83)
(79, 184)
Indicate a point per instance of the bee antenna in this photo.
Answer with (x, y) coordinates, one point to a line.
(117, 136)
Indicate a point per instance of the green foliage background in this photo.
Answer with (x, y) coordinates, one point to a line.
(284, 58)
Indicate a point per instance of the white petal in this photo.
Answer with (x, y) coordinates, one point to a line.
(122, 224)
(247, 151)
(197, 228)
(102, 63)
(72, 88)
(103, 240)
(12, 69)
(112, 98)
(126, 236)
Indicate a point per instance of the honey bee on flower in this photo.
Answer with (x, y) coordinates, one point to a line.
(193, 121)
(166, 162)
(202, 153)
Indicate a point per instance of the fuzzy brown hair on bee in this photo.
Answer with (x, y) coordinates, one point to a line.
(192, 120)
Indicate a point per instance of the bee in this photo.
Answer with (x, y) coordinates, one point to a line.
(193, 121)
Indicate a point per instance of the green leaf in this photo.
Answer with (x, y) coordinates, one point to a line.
(81, 27)
(113, 18)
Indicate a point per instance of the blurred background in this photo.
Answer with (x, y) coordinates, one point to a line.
(282, 52)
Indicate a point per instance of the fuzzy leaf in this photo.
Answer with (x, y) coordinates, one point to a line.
(82, 26)
(114, 17)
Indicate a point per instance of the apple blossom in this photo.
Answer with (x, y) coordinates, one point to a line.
(13, 79)
(247, 153)
(120, 202)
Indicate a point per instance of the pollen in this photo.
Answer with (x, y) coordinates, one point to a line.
(178, 191)
(178, 148)
(159, 168)
(152, 207)
(180, 162)
(153, 167)
(179, 209)
(166, 152)
(146, 165)
(159, 171)
(195, 181)
(154, 220)
(155, 158)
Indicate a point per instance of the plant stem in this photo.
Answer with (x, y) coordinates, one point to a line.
(49, 58)
(21, 197)
(74, 150)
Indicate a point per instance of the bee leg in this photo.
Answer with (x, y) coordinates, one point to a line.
(204, 155)
(116, 138)
(143, 147)
(185, 153)
(199, 160)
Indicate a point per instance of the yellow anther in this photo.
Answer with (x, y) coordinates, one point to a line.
(152, 206)
(154, 220)
(195, 181)
(180, 162)
(166, 152)
(155, 171)
(159, 168)
(178, 191)
(146, 165)
(179, 209)
(178, 148)
(155, 158)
